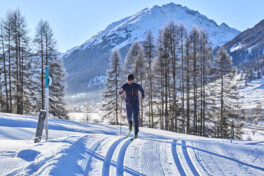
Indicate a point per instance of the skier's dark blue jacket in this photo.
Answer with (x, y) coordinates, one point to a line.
(131, 92)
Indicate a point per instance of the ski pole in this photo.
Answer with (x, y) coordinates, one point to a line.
(120, 115)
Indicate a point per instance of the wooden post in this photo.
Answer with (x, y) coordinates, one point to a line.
(40, 126)
(48, 82)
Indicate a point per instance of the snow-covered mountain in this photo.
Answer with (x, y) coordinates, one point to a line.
(90, 59)
(247, 45)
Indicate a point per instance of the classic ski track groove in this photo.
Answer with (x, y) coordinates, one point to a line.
(187, 158)
(108, 157)
(176, 157)
(121, 158)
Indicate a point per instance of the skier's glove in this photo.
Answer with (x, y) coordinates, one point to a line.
(121, 91)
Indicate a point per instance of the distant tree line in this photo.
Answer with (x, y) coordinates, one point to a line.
(252, 70)
(188, 90)
(22, 67)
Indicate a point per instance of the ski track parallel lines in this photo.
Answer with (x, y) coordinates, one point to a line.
(176, 157)
(188, 160)
(108, 157)
(121, 157)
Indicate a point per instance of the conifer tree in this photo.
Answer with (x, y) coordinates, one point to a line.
(194, 44)
(131, 57)
(48, 56)
(112, 87)
(57, 89)
(149, 48)
(228, 94)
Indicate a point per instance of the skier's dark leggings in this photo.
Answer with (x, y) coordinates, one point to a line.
(133, 109)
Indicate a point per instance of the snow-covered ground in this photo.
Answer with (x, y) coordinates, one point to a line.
(252, 93)
(94, 149)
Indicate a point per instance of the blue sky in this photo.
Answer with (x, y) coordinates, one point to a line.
(75, 21)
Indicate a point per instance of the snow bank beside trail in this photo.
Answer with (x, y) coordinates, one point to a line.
(21, 127)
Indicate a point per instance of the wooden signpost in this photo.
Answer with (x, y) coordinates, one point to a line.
(44, 114)
(40, 126)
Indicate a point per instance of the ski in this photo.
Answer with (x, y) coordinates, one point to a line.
(128, 133)
(135, 137)
(132, 139)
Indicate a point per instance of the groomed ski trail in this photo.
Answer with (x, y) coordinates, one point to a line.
(108, 157)
(100, 154)
(176, 158)
(228, 160)
(149, 157)
(121, 158)
(182, 159)
(188, 160)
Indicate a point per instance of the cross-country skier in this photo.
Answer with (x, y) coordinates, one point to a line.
(131, 90)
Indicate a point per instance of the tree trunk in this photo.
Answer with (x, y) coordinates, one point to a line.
(5, 74)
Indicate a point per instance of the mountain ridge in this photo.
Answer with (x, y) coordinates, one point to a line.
(90, 59)
(247, 45)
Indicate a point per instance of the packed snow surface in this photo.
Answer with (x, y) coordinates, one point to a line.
(95, 149)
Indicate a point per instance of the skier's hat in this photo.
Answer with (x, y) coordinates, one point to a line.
(130, 77)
